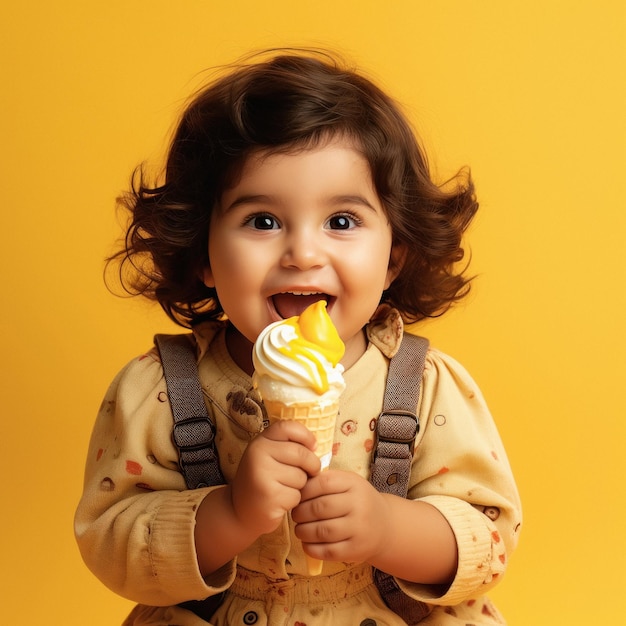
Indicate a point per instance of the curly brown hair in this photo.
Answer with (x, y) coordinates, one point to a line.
(291, 100)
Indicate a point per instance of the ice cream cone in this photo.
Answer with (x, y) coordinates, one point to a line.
(320, 419)
(298, 373)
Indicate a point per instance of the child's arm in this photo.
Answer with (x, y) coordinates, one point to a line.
(417, 528)
(462, 507)
(273, 470)
(135, 521)
(141, 531)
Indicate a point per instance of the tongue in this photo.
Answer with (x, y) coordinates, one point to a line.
(288, 304)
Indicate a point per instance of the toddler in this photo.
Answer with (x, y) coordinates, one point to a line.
(293, 179)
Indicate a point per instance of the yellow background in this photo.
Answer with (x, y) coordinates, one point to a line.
(530, 94)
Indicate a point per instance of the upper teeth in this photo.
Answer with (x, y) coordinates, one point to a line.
(303, 293)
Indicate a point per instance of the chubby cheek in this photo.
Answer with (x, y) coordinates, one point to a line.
(228, 263)
(360, 296)
(354, 308)
(368, 272)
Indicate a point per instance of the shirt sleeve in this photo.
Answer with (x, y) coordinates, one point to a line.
(135, 521)
(461, 468)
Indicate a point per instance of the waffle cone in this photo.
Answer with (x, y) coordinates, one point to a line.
(320, 419)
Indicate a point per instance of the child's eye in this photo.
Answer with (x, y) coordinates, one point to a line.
(262, 222)
(343, 221)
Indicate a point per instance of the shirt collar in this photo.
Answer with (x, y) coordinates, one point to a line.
(385, 330)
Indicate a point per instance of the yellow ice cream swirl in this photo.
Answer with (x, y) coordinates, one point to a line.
(302, 351)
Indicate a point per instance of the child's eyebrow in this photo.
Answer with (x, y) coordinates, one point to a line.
(248, 199)
(337, 200)
(353, 199)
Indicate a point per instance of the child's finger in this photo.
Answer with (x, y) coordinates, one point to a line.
(290, 431)
(316, 510)
(325, 483)
(292, 444)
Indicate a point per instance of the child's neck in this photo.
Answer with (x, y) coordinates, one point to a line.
(240, 349)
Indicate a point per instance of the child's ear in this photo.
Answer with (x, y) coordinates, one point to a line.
(206, 276)
(396, 263)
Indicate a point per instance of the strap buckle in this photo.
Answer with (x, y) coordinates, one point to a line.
(197, 457)
(193, 433)
(399, 427)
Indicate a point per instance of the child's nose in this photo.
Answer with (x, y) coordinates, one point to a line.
(304, 251)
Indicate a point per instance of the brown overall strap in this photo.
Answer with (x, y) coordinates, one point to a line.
(397, 428)
(398, 424)
(194, 432)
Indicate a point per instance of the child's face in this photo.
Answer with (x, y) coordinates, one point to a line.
(297, 228)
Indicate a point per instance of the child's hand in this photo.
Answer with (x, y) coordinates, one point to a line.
(341, 517)
(274, 468)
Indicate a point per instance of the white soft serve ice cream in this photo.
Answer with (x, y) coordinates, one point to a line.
(297, 360)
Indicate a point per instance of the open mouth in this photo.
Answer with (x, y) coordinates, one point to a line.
(290, 303)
